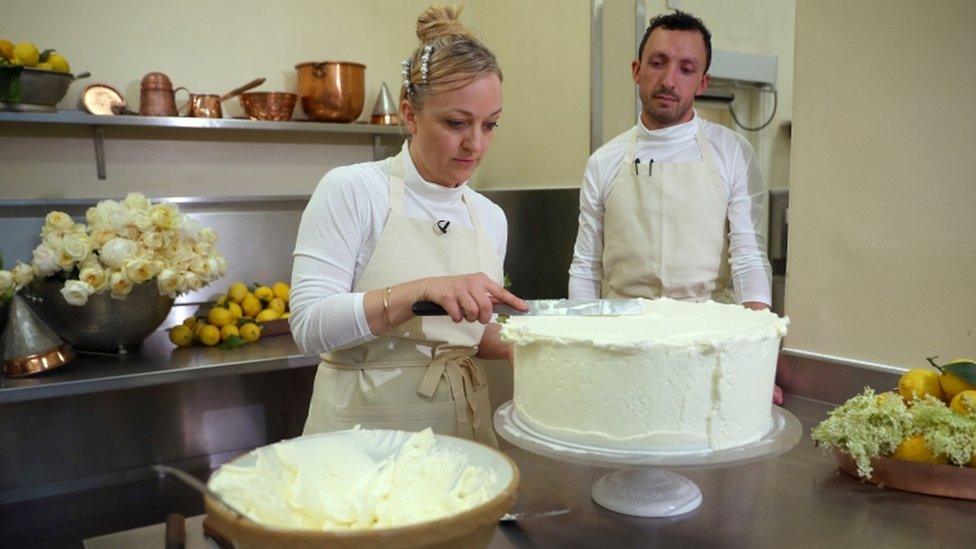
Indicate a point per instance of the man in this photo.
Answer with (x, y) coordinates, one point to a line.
(673, 207)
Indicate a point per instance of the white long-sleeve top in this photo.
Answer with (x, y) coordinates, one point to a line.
(340, 228)
(751, 273)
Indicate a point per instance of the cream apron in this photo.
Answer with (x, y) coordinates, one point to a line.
(419, 374)
(665, 230)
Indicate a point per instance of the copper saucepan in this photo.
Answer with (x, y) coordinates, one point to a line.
(207, 105)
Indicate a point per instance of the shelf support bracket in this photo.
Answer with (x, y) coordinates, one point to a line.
(98, 133)
(377, 147)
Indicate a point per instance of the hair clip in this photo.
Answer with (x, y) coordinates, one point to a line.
(406, 75)
(425, 62)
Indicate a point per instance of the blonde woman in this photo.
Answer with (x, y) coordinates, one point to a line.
(377, 237)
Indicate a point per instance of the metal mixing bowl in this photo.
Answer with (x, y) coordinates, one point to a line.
(40, 90)
(103, 324)
(268, 105)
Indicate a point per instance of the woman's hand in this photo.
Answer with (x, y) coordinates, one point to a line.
(468, 297)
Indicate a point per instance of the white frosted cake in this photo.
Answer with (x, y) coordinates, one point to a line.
(679, 377)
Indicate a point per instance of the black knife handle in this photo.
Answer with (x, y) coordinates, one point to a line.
(428, 308)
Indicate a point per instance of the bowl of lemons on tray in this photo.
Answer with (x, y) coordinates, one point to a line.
(242, 315)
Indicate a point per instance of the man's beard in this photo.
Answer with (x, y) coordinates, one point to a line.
(666, 116)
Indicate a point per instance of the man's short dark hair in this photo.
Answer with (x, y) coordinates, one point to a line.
(679, 20)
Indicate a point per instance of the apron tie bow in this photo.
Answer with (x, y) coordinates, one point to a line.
(468, 383)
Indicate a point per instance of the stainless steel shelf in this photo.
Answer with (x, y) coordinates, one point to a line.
(85, 119)
(98, 123)
(156, 363)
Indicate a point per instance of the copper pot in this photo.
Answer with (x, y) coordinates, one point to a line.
(332, 91)
(157, 97)
(268, 105)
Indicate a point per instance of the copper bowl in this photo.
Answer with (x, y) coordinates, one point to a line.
(268, 105)
(332, 91)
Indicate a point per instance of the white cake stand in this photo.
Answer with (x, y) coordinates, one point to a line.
(641, 487)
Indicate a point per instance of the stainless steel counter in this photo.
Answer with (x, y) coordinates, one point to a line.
(798, 499)
(156, 363)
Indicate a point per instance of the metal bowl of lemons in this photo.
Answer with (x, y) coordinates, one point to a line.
(33, 81)
(103, 324)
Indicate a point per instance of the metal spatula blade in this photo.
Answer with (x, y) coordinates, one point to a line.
(552, 307)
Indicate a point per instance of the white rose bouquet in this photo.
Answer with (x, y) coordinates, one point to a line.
(120, 245)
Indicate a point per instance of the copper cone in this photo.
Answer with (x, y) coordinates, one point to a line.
(29, 345)
(385, 110)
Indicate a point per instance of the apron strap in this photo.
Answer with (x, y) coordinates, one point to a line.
(395, 165)
(468, 384)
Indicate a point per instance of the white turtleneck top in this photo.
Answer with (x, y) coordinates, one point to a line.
(736, 163)
(341, 227)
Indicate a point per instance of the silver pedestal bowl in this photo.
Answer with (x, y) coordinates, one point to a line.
(103, 324)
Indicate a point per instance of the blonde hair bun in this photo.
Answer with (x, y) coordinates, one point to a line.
(440, 21)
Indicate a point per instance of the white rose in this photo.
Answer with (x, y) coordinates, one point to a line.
(189, 227)
(78, 247)
(221, 265)
(92, 217)
(169, 282)
(53, 240)
(95, 276)
(120, 285)
(142, 220)
(191, 281)
(130, 232)
(76, 292)
(59, 221)
(202, 248)
(154, 240)
(214, 268)
(65, 261)
(137, 202)
(117, 251)
(45, 261)
(102, 235)
(89, 262)
(201, 267)
(112, 214)
(6, 281)
(139, 270)
(166, 216)
(23, 274)
(208, 235)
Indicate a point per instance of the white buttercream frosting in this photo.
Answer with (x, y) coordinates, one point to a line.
(357, 482)
(680, 376)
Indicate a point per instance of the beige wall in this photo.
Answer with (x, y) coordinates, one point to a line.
(882, 252)
(747, 26)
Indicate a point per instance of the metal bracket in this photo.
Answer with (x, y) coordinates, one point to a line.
(98, 133)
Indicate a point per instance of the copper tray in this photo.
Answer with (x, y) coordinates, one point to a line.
(950, 481)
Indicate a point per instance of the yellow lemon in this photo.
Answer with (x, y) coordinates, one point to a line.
(181, 335)
(964, 402)
(264, 293)
(281, 291)
(219, 317)
(237, 292)
(251, 306)
(198, 327)
(6, 49)
(266, 315)
(251, 332)
(222, 300)
(58, 62)
(919, 382)
(286, 314)
(914, 449)
(209, 335)
(235, 310)
(191, 323)
(27, 54)
(277, 305)
(953, 384)
(228, 331)
(44, 66)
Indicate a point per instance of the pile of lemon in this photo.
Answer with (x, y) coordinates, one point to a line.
(236, 317)
(27, 54)
(954, 383)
